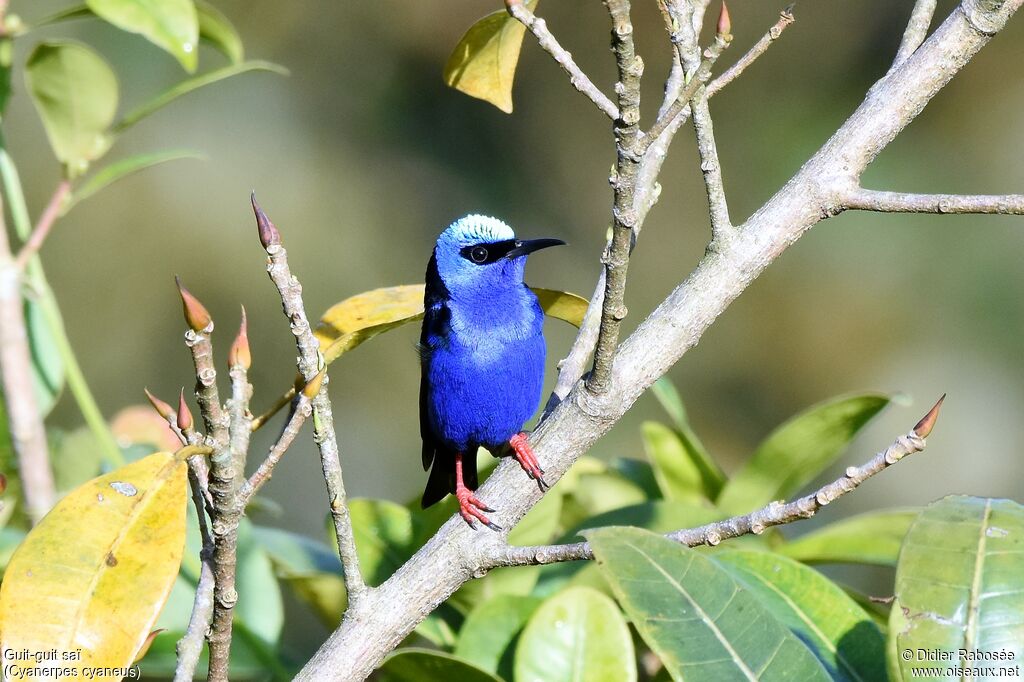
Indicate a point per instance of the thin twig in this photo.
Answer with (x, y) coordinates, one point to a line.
(579, 80)
(916, 31)
(44, 225)
(756, 522)
(309, 362)
(262, 474)
(627, 129)
(861, 199)
(28, 434)
(760, 47)
(282, 400)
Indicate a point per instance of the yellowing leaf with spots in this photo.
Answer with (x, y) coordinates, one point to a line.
(483, 64)
(361, 317)
(89, 581)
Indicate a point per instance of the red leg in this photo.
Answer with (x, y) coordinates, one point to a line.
(528, 460)
(469, 505)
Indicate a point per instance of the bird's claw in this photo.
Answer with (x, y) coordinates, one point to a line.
(471, 508)
(524, 455)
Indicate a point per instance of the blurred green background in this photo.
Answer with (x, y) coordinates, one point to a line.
(363, 155)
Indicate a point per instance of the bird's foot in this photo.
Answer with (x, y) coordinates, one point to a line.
(471, 508)
(528, 460)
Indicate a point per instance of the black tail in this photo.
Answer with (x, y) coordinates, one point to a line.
(442, 475)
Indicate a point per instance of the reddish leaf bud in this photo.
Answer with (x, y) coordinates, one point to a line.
(162, 408)
(196, 315)
(927, 423)
(239, 354)
(724, 21)
(268, 233)
(3, 483)
(312, 387)
(184, 415)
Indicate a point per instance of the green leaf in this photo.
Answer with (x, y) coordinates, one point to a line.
(48, 372)
(171, 25)
(959, 586)
(75, 92)
(694, 616)
(668, 397)
(639, 472)
(871, 538)
(260, 607)
(675, 469)
(426, 665)
(384, 537)
(816, 610)
(310, 568)
(218, 30)
(75, 457)
(483, 64)
(488, 637)
(187, 86)
(123, 168)
(579, 634)
(796, 452)
(6, 55)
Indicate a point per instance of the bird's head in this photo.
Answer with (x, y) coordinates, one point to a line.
(478, 253)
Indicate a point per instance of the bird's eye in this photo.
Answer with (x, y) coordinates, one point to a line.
(478, 254)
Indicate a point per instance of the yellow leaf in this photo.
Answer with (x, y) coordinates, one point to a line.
(483, 64)
(357, 319)
(89, 581)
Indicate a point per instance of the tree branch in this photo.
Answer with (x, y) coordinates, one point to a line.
(916, 31)
(28, 434)
(760, 47)
(454, 555)
(756, 522)
(309, 362)
(43, 227)
(579, 80)
(861, 199)
(624, 217)
(266, 469)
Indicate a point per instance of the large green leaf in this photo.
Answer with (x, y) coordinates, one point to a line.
(169, 24)
(75, 92)
(426, 665)
(483, 64)
(796, 452)
(123, 168)
(579, 634)
(384, 537)
(871, 538)
(490, 633)
(959, 587)
(675, 469)
(187, 86)
(693, 614)
(840, 633)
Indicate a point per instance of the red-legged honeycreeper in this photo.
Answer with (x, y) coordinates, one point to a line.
(482, 357)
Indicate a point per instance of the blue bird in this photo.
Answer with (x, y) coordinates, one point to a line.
(482, 358)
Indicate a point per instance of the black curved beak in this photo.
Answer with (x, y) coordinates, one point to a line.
(530, 245)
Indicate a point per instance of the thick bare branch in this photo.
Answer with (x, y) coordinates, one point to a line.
(454, 555)
(579, 80)
(861, 199)
(756, 522)
(760, 47)
(310, 364)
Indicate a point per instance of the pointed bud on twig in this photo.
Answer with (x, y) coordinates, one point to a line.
(239, 354)
(3, 483)
(509, 4)
(724, 21)
(196, 315)
(927, 423)
(268, 233)
(144, 649)
(312, 387)
(184, 415)
(162, 408)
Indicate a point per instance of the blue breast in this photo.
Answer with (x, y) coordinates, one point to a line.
(483, 364)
